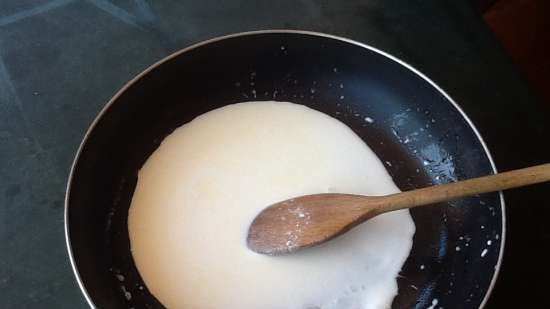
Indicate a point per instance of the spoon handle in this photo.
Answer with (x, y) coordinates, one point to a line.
(454, 190)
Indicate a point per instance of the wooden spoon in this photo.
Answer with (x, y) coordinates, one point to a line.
(311, 220)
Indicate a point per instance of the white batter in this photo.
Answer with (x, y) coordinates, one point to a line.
(199, 191)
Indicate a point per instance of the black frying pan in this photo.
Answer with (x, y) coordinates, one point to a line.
(413, 126)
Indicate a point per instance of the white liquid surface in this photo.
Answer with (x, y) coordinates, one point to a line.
(199, 191)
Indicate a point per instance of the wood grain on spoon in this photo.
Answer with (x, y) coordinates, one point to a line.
(310, 220)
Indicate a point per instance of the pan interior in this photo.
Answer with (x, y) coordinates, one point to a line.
(413, 128)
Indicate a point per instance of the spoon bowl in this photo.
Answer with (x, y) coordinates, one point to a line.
(307, 221)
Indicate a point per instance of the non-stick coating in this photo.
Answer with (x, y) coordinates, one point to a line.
(420, 135)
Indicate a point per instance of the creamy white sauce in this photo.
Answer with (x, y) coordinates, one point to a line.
(199, 191)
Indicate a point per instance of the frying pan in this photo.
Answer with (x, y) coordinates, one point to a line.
(417, 130)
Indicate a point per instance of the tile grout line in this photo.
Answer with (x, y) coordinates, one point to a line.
(6, 20)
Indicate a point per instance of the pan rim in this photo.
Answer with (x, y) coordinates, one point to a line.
(274, 31)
